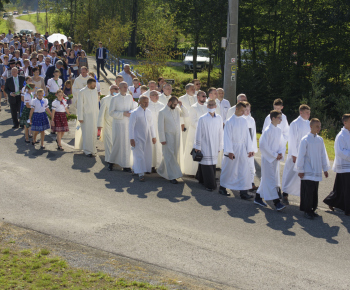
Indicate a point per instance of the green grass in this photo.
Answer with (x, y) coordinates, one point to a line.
(39, 25)
(327, 142)
(27, 270)
(3, 27)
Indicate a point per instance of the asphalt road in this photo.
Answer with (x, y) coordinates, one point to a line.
(179, 227)
(22, 24)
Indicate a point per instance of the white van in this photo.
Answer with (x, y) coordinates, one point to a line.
(202, 59)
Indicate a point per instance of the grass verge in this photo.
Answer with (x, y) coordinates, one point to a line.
(27, 270)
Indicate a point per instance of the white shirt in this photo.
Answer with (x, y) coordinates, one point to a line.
(52, 85)
(342, 152)
(9, 36)
(16, 82)
(224, 107)
(28, 98)
(283, 125)
(127, 78)
(38, 106)
(134, 94)
(100, 53)
(312, 158)
(58, 107)
(2, 57)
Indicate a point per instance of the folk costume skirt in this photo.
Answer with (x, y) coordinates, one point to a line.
(61, 124)
(25, 117)
(40, 122)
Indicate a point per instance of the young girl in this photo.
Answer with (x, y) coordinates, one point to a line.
(23, 92)
(28, 97)
(38, 117)
(54, 84)
(59, 122)
(67, 90)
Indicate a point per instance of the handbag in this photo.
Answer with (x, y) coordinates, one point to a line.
(196, 156)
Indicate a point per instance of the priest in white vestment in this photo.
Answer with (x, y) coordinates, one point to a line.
(235, 172)
(224, 104)
(104, 123)
(252, 134)
(232, 110)
(120, 110)
(169, 128)
(196, 111)
(209, 140)
(79, 83)
(298, 129)
(272, 147)
(187, 100)
(155, 106)
(152, 86)
(167, 90)
(87, 114)
(142, 135)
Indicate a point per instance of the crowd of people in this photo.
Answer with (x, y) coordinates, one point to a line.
(147, 130)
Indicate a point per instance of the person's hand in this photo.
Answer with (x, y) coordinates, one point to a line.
(12, 94)
(30, 121)
(81, 121)
(294, 159)
(99, 128)
(154, 140)
(196, 150)
(126, 114)
(52, 122)
(163, 143)
(231, 156)
(179, 103)
(301, 175)
(326, 174)
(250, 154)
(279, 156)
(182, 127)
(132, 142)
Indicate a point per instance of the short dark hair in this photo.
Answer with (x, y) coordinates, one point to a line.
(211, 89)
(278, 102)
(304, 107)
(89, 81)
(314, 120)
(172, 99)
(345, 117)
(241, 104)
(274, 114)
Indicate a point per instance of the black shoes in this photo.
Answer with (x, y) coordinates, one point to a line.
(154, 170)
(246, 196)
(174, 181)
(110, 166)
(223, 191)
(308, 216)
(15, 127)
(127, 170)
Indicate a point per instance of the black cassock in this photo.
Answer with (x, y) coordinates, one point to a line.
(340, 196)
(206, 174)
(308, 195)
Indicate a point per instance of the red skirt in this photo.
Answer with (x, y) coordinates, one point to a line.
(61, 124)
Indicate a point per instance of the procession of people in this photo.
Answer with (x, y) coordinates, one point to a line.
(147, 130)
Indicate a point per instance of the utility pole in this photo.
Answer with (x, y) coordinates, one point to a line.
(230, 76)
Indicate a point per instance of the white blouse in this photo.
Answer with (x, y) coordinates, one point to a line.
(28, 98)
(40, 106)
(54, 85)
(58, 107)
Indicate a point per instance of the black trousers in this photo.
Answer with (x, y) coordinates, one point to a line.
(206, 174)
(340, 196)
(100, 64)
(15, 109)
(308, 195)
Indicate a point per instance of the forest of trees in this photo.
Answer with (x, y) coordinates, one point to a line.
(297, 50)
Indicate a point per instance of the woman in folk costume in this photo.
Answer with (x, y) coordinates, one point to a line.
(28, 97)
(38, 117)
(59, 122)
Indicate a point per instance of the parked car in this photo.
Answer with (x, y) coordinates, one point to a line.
(5, 15)
(25, 12)
(15, 12)
(203, 58)
(25, 31)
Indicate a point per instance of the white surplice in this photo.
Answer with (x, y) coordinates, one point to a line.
(235, 174)
(164, 99)
(105, 121)
(231, 111)
(141, 129)
(312, 158)
(290, 179)
(87, 111)
(271, 144)
(224, 107)
(169, 129)
(148, 93)
(209, 138)
(342, 152)
(156, 148)
(252, 134)
(196, 111)
(283, 125)
(187, 102)
(121, 149)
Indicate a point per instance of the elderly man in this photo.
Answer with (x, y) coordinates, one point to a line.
(142, 134)
(224, 104)
(196, 111)
(155, 106)
(232, 110)
(87, 113)
(170, 137)
(187, 100)
(13, 87)
(120, 110)
(152, 86)
(127, 75)
(167, 90)
(209, 140)
(104, 123)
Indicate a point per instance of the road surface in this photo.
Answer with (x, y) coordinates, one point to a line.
(22, 24)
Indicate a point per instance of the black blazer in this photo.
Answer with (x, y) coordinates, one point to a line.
(49, 73)
(104, 53)
(10, 88)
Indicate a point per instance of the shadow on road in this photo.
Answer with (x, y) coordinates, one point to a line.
(82, 162)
